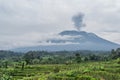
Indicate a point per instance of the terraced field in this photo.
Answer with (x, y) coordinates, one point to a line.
(82, 71)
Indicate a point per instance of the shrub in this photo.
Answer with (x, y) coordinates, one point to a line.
(85, 78)
(56, 69)
(118, 60)
(6, 77)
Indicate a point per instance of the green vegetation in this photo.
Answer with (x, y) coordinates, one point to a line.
(62, 65)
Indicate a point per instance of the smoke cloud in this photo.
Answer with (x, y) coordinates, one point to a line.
(78, 21)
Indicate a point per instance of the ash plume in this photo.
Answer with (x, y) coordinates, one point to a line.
(78, 21)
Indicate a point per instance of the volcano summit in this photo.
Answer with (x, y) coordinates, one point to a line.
(74, 40)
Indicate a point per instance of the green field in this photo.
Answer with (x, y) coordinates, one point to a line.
(62, 65)
(109, 70)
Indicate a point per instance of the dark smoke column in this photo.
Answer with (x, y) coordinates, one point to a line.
(78, 21)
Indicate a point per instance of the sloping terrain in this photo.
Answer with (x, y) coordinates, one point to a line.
(74, 40)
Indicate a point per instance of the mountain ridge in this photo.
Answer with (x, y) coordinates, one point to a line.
(77, 40)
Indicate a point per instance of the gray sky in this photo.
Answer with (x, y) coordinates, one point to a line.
(24, 22)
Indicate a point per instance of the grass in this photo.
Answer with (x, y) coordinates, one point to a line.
(83, 71)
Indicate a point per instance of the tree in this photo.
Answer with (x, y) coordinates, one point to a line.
(23, 65)
(28, 57)
(118, 52)
(78, 58)
(115, 53)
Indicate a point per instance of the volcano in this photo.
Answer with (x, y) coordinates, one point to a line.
(72, 41)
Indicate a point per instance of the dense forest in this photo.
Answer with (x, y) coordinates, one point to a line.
(60, 65)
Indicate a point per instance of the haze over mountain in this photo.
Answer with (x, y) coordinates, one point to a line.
(73, 40)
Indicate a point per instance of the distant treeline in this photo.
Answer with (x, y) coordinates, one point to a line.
(58, 57)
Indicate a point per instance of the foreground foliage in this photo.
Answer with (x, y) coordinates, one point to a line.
(109, 70)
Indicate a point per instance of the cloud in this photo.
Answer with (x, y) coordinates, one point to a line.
(33, 39)
(111, 36)
(22, 17)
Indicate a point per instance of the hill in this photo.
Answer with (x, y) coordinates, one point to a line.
(74, 40)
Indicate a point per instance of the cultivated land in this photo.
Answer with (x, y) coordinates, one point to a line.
(62, 65)
(109, 70)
